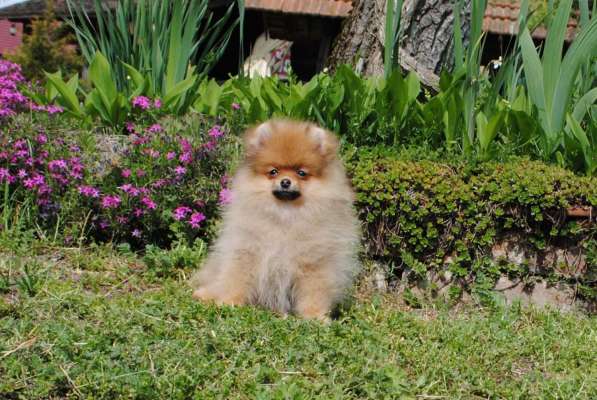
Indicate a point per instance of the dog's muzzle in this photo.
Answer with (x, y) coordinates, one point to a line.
(286, 194)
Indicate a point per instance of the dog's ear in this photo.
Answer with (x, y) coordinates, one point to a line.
(255, 137)
(327, 142)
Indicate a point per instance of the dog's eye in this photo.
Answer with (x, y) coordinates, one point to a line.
(301, 173)
(273, 172)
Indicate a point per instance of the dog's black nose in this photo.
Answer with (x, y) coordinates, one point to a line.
(285, 183)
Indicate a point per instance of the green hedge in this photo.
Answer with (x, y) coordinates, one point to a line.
(417, 213)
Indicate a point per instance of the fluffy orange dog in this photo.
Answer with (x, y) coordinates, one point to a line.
(290, 236)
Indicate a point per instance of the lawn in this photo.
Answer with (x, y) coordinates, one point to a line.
(100, 323)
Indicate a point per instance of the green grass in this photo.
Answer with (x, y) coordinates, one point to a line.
(97, 324)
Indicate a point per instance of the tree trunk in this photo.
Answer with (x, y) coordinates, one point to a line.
(426, 44)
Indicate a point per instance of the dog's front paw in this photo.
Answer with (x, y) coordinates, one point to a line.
(205, 295)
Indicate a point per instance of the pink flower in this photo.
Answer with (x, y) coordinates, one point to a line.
(88, 191)
(225, 196)
(138, 212)
(129, 189)
(22, 173)
(209, 146)
(122, 219)
(36, 180)
(159, 183)
(57, 164)
(196, 219)
(180, 170)
(216, 132)
(53, 109)
(153, 153)
(111, 201)
(141, 102)
(186, 158)
(185, 145)
(235, 106)
(126, 173)
(130, 127)
(42, 139)
(136, 233)
(181, 212)
(157, 103)
(149, 203)
(155, 128)
(4, 174)
(170, 155)
(140, 172)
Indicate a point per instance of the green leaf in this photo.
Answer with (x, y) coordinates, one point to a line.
(69, 99)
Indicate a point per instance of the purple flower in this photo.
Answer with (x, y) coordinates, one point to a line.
(170, 155)
(181, 212)
(136, 233)
(4, 174)
(35, 181)
(216, 132)
(111, 201)
(235, 106)
(57, 164)
(196, 219)
(138, 212)
(20, 144)
(185, 145)
(155, 128)
(209, 146)
(186, 158)
(225, 196)
(89, 191)
(141, 102)
(126, 173)
(130, 190)
(140, 172)
(180, 170)
(22, 173)
(42, 139)
(157, 103)
(149, 203)
(122, 219)
(152, 153)
(130, 127)
(159, 183)
(54, 109)
(103, 224)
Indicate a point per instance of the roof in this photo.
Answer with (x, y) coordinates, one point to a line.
(501, 17)
(34, 8)
(326, 8)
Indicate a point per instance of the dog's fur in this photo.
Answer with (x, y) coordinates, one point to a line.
(288, 255)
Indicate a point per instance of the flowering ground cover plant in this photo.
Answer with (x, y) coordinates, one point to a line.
(166, 184)
(12, 100)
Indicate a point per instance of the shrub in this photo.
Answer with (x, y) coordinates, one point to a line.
(166, 184)
(12, 98)
(49, 48)
(420, 213)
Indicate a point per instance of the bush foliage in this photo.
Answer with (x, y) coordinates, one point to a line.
(48, 48)
(419, 213)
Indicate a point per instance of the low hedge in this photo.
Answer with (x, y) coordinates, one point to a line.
(419, 214)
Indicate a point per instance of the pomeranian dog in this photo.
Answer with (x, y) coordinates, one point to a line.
(289, 236)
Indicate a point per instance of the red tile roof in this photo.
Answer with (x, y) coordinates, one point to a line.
(501, 17)
(327, 8)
